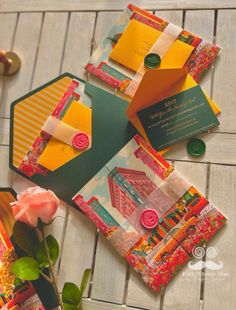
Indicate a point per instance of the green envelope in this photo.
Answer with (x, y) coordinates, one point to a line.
(111, 130)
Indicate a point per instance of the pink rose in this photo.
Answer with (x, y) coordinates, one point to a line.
(35, 203)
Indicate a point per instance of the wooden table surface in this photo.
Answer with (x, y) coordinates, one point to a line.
(55, 36)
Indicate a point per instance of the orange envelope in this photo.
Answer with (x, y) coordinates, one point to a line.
(136, 42)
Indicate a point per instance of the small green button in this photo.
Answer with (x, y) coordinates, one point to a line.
(152, 60)
(196, 147)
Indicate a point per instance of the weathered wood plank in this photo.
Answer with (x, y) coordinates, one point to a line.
(175, 17)
(187, 281)
(78, 44)
(7, 26)
(202, 23)
(104, 23)
(25, 45)
(51, 48)
(89, 304)
(78, 248)
(109, 273)
(103, 5)
(224, 91)
(4, 131)
(5, 176)
(222, 193)
(220, 148)
(139, 295)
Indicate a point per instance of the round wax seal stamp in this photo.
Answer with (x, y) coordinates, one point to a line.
(80, 141)
(152, 61)
(196, 147)
(149, 218)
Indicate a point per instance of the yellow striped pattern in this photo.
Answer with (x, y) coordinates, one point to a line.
(30, 115)
(6, 216)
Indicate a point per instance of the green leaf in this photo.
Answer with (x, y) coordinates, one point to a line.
(53, 249)
(25, 237)
(26, 268)
(84, 281)
(71, 294)
(17, 282)
(70, 307)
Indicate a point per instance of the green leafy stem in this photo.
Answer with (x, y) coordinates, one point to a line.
(41, 254)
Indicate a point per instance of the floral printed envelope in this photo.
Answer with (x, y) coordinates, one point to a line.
(12, 295)
(119, 58)
(147, 210)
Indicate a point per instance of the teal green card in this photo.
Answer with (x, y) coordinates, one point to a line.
(177, 118)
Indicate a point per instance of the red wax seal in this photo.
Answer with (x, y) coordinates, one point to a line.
(149, 218)
(80, 141)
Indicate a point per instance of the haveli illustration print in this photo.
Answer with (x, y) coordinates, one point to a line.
(120, 56)
(138, 180)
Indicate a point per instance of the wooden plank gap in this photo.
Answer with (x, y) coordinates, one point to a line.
(125, 294)
(203, 271)
(214, 64)
(4, 78)
(204, 163)
(165, 7)
(62, 239)
(93, 264)
(162, 298)
(65, 40)
(183, 18)
(93, 47)
(37, 52)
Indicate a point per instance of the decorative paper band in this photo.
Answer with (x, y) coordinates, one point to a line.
(161, 47)
(161, 200)
(66, 133)
(177, 184)
(166, 39)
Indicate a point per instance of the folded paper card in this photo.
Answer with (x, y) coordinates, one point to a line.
(12, 295)
(59, 133)
(136, 42)
(120, 58)
(152, 216)
(175, 110)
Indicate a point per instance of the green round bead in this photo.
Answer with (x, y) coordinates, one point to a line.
(196, 147)
(152, 61)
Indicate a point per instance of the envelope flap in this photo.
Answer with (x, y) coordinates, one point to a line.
(30, 112)
(155, 85)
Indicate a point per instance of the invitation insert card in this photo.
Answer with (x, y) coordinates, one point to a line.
(178, 117)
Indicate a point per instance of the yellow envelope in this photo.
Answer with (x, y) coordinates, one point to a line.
(136, 42)
(56, 152)
(157, 85)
